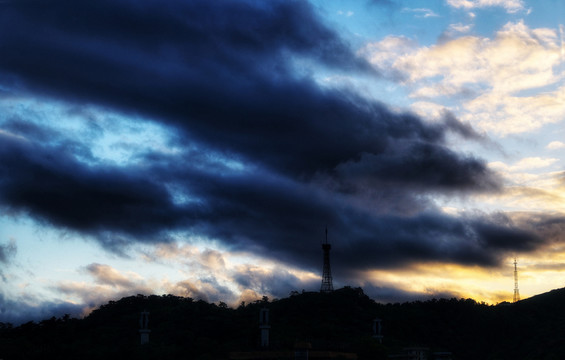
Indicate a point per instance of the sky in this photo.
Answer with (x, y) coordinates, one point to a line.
(201, 149)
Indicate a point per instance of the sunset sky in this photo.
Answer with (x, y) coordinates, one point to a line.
(200, 148)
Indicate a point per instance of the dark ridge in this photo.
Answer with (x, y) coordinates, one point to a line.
(340, 321)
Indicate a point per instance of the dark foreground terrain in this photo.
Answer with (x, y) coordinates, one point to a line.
(182, 328)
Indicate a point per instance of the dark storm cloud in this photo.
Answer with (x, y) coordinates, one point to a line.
(271, 215)
(549, 227)
(463, 129)
(55, 187)
(419, 165)
(63, 143)
(223, 73)
(28, 130)
(18, 312)
(391, 295)
(397, 241)
(7, 251)
(232, 78)
(283, 219)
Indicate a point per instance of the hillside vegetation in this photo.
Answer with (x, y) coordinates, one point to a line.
(339, 321)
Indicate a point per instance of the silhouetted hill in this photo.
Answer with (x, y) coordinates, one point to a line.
(535, 327)
(341, 321)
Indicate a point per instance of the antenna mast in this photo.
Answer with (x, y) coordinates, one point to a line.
(327, 285)
(516, 291)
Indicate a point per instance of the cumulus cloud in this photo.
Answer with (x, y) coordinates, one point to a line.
(209, 270)
(208, 290)
(531, 184)
(202, 281)
(555, 145)
(107, 275)
(421, 12)
(108, 284)
(274, 282)
(529, 163)
(462, 28)
(562, 37)
(489, 75)
(348, 13)
(510, 6)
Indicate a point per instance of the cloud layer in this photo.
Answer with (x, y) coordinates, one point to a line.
(256, 154)
(491, 76)
(239, 98)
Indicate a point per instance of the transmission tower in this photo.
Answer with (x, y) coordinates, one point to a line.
(327, 285)
(516, 291)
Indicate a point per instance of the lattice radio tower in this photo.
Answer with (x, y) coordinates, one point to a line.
(516, 291)
(327, 285)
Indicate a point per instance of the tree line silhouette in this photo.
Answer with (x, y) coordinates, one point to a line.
(339, 321)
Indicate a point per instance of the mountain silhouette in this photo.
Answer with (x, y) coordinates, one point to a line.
(340, 321)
